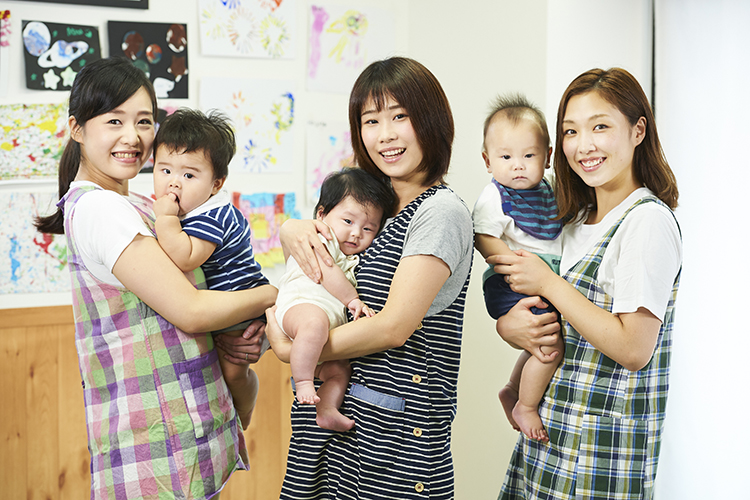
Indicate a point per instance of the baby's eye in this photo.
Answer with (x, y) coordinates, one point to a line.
(347, 221)
(530, 155)
(166, 171)
(189, 176)
(505, 157)
(368, 229)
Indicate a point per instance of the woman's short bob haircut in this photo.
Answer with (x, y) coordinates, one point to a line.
(620, 89)
(417, 90)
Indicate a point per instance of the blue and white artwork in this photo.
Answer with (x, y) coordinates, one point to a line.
(54, 53)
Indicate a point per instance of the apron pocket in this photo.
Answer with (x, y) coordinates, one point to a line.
(205, 392)
(379, 426)
(612, 458)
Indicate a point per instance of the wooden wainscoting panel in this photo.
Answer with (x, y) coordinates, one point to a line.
(43, 452)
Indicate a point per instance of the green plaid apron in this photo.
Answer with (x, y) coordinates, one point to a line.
(604, 422)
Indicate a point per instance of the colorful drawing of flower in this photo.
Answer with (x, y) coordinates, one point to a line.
(271, 4)
(283, 113)
(352, 27)
(273, 35)
(257, 159)
(240, 109)
(243, 30)
(212, 24)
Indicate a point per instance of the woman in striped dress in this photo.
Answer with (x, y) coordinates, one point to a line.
(160, 419)
(622, 254)
(402, 394)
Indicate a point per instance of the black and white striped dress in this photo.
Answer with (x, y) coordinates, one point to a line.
(403, 400)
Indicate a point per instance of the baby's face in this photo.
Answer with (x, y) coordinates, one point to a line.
(354, 225)
(190, 176)
(516, 154)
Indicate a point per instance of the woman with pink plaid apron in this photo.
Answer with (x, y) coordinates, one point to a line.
(160, 419)
(604, 409)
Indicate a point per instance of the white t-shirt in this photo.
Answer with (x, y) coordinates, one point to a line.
(105, 223)
(642, 259)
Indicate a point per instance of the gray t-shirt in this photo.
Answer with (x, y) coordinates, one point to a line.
(442, 227)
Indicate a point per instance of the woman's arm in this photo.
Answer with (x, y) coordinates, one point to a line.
(627, 338)
(416, 283)
(299, 238)
(144, 269)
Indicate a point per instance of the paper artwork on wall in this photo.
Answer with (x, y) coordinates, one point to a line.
(159, 49)
(343, 41)
(329, 149)
(32, 137)
(31, 262)
(4, 51)
(54, 53)
(262, 112)
(266, 212)
(257, 28)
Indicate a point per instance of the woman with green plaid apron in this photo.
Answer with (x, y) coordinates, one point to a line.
(604, 409)
(159, 416)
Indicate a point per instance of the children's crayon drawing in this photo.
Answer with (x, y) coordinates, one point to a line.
(54, 53)
(32, 137)
(343, 41)
(329, 149)
(159, 49)
(256, 28)
(266, 212)
(30, 262)
(262, 112)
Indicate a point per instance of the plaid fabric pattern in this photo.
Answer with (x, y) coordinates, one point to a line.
(604, 422)
(161, 423)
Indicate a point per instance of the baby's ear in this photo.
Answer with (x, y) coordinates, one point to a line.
(549, 156)
(319, 213)
(486, 160)
(218, 184)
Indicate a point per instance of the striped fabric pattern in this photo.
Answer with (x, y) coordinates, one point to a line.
(232, 265)
(604, 422)
(403, 402)
(533, 210)
(160, 419)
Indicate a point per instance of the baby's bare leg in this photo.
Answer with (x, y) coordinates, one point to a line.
(508, 395)
(335, 376)
(308, 325)
(534, 380)
(243, 384)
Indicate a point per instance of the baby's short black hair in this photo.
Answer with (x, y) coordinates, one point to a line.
(187, 130)
(365, 188)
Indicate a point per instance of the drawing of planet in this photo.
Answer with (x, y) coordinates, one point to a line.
(36, 38)
(132, 44)
(178, 68)
(177, 38)
(153, 53)
(143, 66)
(62, 53)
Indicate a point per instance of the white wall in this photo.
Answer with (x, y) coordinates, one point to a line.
(702, 105)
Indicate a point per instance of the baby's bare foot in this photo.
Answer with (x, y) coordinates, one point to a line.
(508, 397)
(306, 392)
(332, 419)
(528, 420)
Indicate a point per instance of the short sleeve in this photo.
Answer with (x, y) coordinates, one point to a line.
(204, 227)
(645, 260)
(104, 224)
(442, 227)
(488, 214)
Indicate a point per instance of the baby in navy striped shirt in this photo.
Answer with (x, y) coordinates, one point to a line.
(197, 225)
(517, 211)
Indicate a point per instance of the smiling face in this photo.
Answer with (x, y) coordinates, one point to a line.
(516, 154)
(189, 176)
(390, 141)
(599, 142)
(115, 145)
(354, 225)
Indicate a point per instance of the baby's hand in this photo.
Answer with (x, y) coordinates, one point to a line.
(358, 309)
(167, 205)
